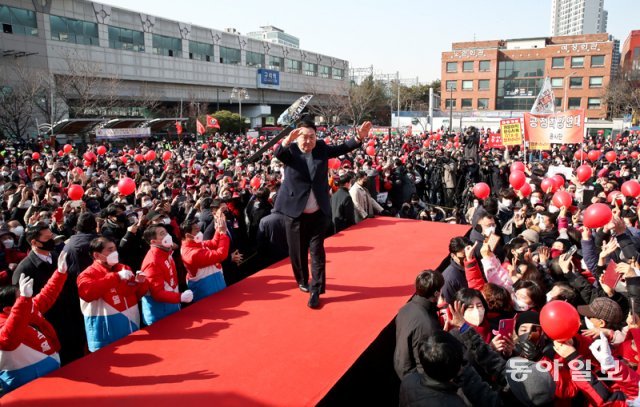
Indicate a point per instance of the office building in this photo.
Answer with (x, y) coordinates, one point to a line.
(575, 17)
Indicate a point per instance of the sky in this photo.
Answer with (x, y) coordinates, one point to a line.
(406, 36)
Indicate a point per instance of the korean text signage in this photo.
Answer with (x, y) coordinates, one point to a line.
(559, 128)
(123, 133)
(268, 79)
(511, 131)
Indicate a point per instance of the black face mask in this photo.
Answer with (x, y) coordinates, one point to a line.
(122, 219)
(48, 246)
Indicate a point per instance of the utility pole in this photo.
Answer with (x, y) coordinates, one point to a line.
(430, 110)
(450, 109)
(398, 114)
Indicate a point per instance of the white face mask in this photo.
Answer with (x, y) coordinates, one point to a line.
(8, 244)
(553, 209)
(507, 202)
(199, 237)
(542, 226)
(474, 316)
(549, 297)
(56, 198)
(535, 200)
(166, 221)
(167, 241)
(475, 204)
(489, 231)
(18, 231)
(26, 204)
(112, 259)
(520, 305)
(147, 204)
(63, 173)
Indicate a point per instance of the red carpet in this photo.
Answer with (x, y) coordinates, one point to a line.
(257, 343)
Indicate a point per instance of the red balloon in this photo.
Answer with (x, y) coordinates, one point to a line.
(90, 156)
(517, 179)
(218, 144)
(584, 172)
(87, 163)
(425, 144)
(597, 215)
(562, 198)
(631, 188)
(327, 140)
(78, 171)
(67, 148)
(150, 155)
(580, 155)
(517, 166)
(548, 185)
(559, 320)
(166, 156)
(558, 180)
(139, 158)
(205, 146)
(255, 182)
(371, 143)
(481, 190)
(262, 138)
(334, 163)
(593, 155)
(35, 156)
(60, 153)
(75, 192)
(525, 190)
(101, 150)
(132, 152)
(634, 154)
(613, 195)
(371, 151)
(456, 138)
(126, 186)
(456, 144)
(124, 159)
(611, 156)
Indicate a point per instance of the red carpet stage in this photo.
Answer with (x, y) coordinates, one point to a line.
(257, 343)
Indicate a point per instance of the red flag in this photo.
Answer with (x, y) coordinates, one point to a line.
(178, 127)
(212, 122)
(199, 127)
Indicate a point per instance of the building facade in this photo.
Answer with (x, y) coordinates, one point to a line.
(630, 64)
(170, 61)
(507, 75)
(575, 17)
(275, 35)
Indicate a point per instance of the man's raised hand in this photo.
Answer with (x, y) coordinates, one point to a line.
(295, 133)
(363, 130)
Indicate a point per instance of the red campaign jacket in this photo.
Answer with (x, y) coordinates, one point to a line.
(160, 269)
(24, 323)
(10, 256)
(208, 253)
(475, 278)
(99, 282)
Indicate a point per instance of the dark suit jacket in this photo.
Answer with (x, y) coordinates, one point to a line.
(343, 210)
(297, 185)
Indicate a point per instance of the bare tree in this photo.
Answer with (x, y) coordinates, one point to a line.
(622, 96)
(17, 100)
(332, 107)
(363, 99)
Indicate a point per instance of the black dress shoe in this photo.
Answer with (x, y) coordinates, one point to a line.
(314, 300)
(304, 288)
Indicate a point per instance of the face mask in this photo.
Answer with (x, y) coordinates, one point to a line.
(26, 204)
(63, 173)
(8, 244)
(47, 246)
(4, 173)
(535, 200)
(113, 167)
(549, 297)
(167, 241)
(489, 231)
(520, 305)
(507, 203)
(621, 287)
(147, 204)
(553, 209)
(18, 231)
(112, 259)
(542, 226)
(199, 237)
(251, 169)
(475, 204)
(166, 221)
(101, 186)
(57, 198)
(474, 316)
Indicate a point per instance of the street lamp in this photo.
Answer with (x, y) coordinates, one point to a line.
(566, 90)
(450, 109)
(240, 94)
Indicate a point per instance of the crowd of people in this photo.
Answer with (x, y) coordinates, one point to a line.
(80, 270)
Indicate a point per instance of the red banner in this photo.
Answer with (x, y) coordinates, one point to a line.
(212, 122)
(199, 127)
(495, 140)
(559, 128)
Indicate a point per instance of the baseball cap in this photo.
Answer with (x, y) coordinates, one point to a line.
(602, 308)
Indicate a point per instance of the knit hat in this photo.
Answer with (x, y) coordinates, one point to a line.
(530, 382)
(602, 308)
(530, 236)
(527, 317)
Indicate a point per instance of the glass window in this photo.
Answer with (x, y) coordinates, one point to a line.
(276, 63)
(594, 103)
(557, 102)
(577, 62)
(595, 82)
(467, 85)
(556, 82)
(167, 46)
(310, 69)
(483, 84)
(337, 73)
(521, 69)
(467, 103)
(294, 66)
(74, 31)
(483, 104)
(450, 103)
(452, 67)
(230, 56)
(557, 62)
(325, 71)
(255, 59)
(575, 82)
(16, 20)
(121, 38)
(451, 85)
(201, 51)
(467, 66)
(485, 66)
(574, 103)
(597, 60)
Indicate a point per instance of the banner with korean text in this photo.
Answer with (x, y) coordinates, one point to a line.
(542, 130)
(511, 131)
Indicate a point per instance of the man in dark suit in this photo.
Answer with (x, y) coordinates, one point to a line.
(342, 208)
(304, 200)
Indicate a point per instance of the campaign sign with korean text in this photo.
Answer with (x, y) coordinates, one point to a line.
(268, 79)
(511, 131)
(559, 128)
(496, 140)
